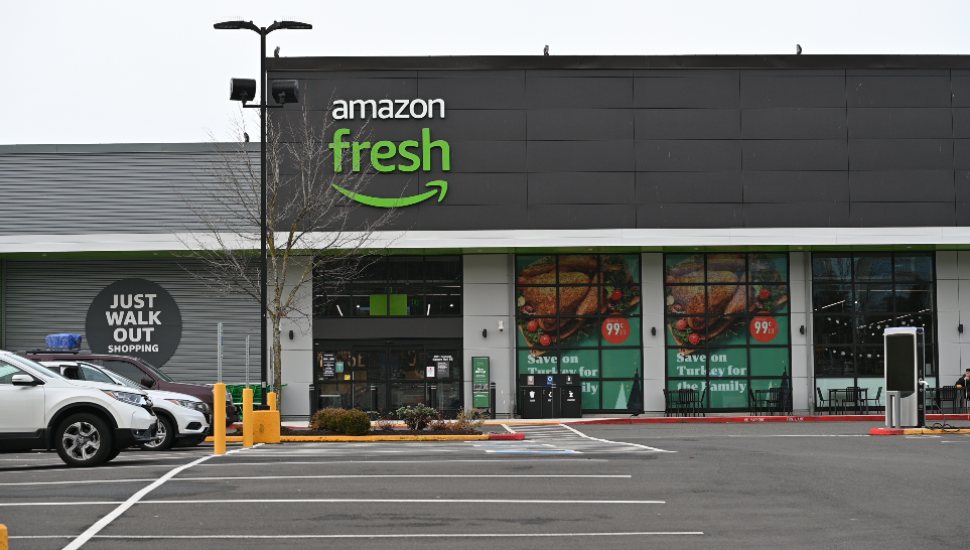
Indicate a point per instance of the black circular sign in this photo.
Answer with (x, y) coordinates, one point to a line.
(135, 317)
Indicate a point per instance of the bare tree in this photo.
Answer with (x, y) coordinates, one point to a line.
(309, 224)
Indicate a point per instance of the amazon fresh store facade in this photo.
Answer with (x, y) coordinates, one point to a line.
(728, 223)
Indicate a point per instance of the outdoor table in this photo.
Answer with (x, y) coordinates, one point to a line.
(856, 396)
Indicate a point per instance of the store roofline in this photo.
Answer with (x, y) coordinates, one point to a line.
(194, 147)
(505, 241)
(619, 62)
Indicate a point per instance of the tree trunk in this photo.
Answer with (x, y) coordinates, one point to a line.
(277, 362)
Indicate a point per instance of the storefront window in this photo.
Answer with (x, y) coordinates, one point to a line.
(397, 286)
(580, 314)
(727, 325)
(855, 297)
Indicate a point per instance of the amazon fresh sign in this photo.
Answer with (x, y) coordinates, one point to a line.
(408, 156)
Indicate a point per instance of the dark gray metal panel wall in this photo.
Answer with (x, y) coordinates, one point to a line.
(109, 188)
(44, 297)
(731, 147)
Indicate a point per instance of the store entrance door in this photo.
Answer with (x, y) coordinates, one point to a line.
(383, 377)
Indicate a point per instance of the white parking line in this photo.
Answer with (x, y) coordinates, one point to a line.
(132, 501)
(581, 434)
(383, 536)
(334, 476)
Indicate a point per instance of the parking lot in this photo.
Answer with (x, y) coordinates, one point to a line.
(636, 486)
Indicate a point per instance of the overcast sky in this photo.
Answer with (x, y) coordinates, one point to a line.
(127, 71)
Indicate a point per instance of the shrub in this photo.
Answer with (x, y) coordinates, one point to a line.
(353, 422)
(417, 417)
(341, 421)
(325, 419)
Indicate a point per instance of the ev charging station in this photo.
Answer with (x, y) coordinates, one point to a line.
(904, 356)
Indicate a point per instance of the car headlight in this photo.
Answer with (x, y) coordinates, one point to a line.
(194, 405)
(135, 399)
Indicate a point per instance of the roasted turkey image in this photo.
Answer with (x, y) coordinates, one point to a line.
(585, 288)
(728, 298)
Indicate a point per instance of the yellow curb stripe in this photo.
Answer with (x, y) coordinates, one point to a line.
(363, 438)
(930, 431)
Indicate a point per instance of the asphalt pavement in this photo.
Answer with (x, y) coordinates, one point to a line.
(607, 486)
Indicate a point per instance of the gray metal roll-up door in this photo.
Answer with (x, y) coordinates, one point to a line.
(44, 297)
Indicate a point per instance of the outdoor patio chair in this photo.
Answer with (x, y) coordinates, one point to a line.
(874, 401)
(945, 394)
(822, 402)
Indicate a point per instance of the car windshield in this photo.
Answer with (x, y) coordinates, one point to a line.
(116, 378)
(34, 367)
(157, 372)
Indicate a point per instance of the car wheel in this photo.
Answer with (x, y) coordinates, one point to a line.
(83, 440)
(115, 451)
(164, 436)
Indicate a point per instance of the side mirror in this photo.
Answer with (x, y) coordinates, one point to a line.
(24, 380)
(147, 382)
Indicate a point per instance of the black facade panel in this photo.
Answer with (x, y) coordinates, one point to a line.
(900, 123)
(960, 88)
(761, 89)
(795, 155)
(891, 214)
(580, 124)
(961, 122)
(898, 90)
(963, 213)
(471, 189)
(544, 92)
(802, 186)
(689, 187)
(793, 123)
(488, 156)
(698, 214)
(901, 154)
(797, 214)
(688, 155)
(962, 185)
(506, 91)
(902, 186)
(477, 125)
(712, 142)
(580, 216)
(581, 156)
(686, 89)
(687, 123)
(581, 188)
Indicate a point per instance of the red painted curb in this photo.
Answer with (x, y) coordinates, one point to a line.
(757, 419)
(887, 431)
(518, 436)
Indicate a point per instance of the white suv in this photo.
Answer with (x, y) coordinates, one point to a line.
(181, 417)
(87, 424)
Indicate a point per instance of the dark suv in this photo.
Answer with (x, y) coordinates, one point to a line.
(139, 371)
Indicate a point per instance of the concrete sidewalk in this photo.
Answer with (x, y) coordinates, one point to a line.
(715, 418)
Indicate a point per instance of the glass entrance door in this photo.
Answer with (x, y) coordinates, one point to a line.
(372, 377)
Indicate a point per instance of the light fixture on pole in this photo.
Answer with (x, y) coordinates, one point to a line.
(244, 90)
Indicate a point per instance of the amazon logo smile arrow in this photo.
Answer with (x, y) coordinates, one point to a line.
(440, 188)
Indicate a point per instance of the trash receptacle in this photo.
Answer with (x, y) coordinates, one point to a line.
(529, 400)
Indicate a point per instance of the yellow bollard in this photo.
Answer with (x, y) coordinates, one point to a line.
(4, 543)
(271, 400)
(219, 418)
(248, 423)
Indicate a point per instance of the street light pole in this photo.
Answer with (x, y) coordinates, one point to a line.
(263, 105)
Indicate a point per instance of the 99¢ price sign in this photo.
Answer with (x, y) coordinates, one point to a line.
(763, 328)
(615, 330)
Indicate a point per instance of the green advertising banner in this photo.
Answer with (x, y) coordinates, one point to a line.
(727, 324)
(581, 314)
(481, 377)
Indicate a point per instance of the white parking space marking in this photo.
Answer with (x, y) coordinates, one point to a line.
(336, 476)
(566, 438)
(382, 536)
(132, 500)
